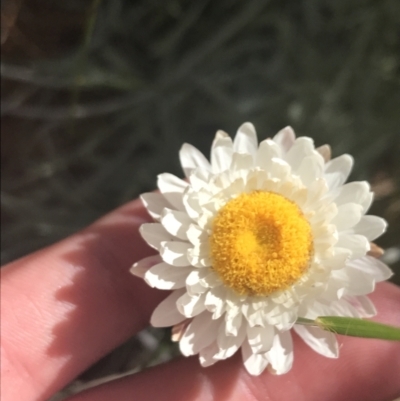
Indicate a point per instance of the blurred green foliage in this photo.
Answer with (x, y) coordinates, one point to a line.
(98, 96)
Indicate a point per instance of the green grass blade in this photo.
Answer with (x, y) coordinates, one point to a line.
(358, 327)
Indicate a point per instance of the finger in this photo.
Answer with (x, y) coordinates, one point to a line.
(66, 306)
(367, 370)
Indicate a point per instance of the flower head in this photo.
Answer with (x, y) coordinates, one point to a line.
(259, 237)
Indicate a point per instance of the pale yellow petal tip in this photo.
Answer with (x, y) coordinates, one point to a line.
(289, 131)
(221, 134)
(375, 250)
(247, 126)
(178, 330)
(288, 128)
(185, 145)
(325, 151)
(137, 271)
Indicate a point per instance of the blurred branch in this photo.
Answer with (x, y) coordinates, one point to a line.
(81, 111)
(43, 77)
(230, 28)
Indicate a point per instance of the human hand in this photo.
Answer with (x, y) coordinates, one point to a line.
(68, 305)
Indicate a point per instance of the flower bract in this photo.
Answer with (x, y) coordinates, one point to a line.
(254, 239)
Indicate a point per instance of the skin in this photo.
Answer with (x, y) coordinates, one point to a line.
(66, 306)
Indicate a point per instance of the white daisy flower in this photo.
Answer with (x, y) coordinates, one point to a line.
(260, 236)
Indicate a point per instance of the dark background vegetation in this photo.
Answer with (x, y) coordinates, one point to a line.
(98, 96)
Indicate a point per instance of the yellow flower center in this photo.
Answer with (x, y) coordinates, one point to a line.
(260, 243)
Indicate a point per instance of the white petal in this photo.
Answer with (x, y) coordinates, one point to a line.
(175, 253)
(357, 244)
(311, 168)
(325, 151)
(370, 226)
(221, 159)
(236, 187)
(280, 356)
(191, 158)
(176, 223)
(193, 283)
(320, 341)
(154, 234)
(199, 255)
(154, 203)
(285, 320)
(254, 363)
(290, 299)
(219, 181)
(352, 192)
(301, 148)
(322, 213)
(191, 204)
(367, 307)
(285, 138)
(333, 180)
(333, 291)
(167, 277)
(363, 305)
(195, 234)
(211, 280)
(281, 297)
(338, 260)
(338, 169)
(279, 169)
(166, 313)
(325, 236)
(246, 140)
(228, 345)
(366, 203)
(215, 301)
(348, 215)
(172, 188)
(233, 320)
(368, 264)
(314, 309)
(267, 150)
(200, 333)
(140, 268)
(255, 318)
(343, 308)
(241, 162)
(221, 152)
(199, 179)
(207, 355)
(190, 306)
(260, 338)
(356, 282)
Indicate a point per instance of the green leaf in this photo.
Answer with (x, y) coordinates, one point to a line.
(306, 322)
(358, 327)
